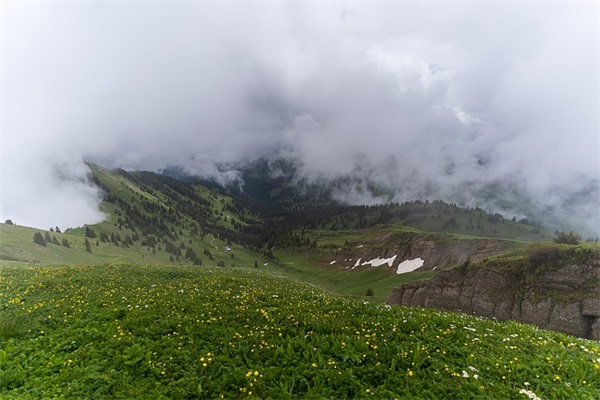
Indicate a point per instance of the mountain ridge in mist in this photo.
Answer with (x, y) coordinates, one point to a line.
(280, 182)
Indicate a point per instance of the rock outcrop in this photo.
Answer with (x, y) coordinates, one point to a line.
(559, 292)
(438, 250)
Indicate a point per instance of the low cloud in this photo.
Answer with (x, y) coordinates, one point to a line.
(493, 105)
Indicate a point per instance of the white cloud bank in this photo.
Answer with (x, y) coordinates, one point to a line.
(491, 104)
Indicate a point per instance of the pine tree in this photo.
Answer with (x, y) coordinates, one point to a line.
(88, 246)
(89, 232)
(39, 239)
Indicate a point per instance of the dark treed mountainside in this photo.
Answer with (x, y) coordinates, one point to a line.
(263, 226)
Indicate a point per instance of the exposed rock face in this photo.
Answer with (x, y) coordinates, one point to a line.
(564, 298)
(438, 250)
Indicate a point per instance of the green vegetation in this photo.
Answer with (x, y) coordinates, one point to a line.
(543, 256)
(567, 238)
(435, 216)
(349, 283)
(155, 219)
(139, 315)
(185, 332)
(149, 219)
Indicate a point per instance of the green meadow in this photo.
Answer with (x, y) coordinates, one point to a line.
(346, 282)
(125, 331)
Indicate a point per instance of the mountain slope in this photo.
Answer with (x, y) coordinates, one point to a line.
(154, 218)
(149, 218)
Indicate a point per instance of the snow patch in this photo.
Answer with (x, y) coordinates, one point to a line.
(333, 262)
(376, 262)
(409, 265)
(357, 263)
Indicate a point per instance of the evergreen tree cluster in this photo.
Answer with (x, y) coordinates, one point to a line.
(46, 238)
(167, 209)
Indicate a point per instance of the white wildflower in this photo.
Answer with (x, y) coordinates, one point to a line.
(529, 394)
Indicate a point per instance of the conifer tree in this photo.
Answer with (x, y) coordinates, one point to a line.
(89, 232)
(39, 239)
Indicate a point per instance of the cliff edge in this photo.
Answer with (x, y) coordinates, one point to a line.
(555, 287)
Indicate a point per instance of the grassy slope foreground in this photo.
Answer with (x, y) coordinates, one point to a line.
(197, 332)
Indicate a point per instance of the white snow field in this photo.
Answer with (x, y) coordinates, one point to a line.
(409, 265)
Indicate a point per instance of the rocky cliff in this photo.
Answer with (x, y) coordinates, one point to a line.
(437, 250)
(554, 287)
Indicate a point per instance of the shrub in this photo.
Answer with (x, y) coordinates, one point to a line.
(544, 254)
(567, 238)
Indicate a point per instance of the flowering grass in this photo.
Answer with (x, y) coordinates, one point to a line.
(128, 331)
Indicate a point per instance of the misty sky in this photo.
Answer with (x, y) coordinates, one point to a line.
(491, 104)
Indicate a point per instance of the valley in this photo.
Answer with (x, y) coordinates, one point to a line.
(188, 289)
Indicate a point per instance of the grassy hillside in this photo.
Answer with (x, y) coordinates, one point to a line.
(168, 324)
(123, 331)
(435, 216)
(18, 248)
(309, 267)
(149, 219)
(152, 218)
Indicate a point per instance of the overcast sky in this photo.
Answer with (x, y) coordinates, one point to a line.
(488, 104)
